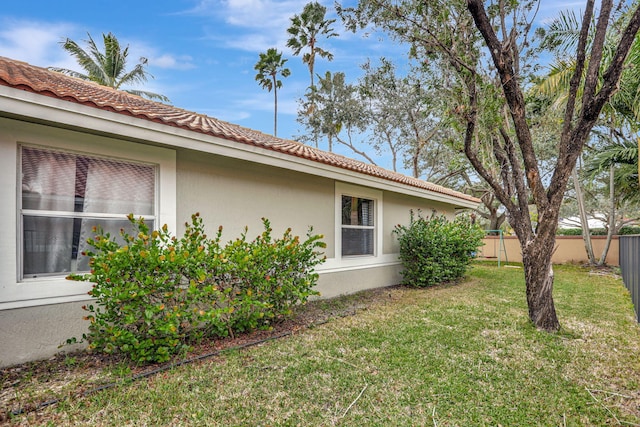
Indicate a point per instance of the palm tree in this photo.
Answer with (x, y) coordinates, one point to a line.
(305, 30)
(268, 67)
(621, 112)
(108, 68)
(624, 156)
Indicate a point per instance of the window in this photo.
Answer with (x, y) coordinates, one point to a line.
(64, 195)
(358, 226)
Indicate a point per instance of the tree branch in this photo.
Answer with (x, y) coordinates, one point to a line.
(573, 142)
(504, 63)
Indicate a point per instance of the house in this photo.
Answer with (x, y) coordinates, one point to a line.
(73, 154)
(576, 222)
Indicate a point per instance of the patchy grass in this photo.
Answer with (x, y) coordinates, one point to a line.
(461, 354)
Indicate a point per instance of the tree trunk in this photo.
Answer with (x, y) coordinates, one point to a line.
(538, 273)
(414, 163)
(496, 220)
(586, 232)
(612, 217)
(275, 110)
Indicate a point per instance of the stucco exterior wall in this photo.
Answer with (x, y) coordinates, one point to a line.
(569, 249)
(397, 208)
(332, 284)
(225, 191)
(35, 333)
(235, 193)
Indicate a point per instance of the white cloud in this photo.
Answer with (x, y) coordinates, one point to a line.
(261, 14)
(255, 24)
(38, 43)
(227, 115)
(250, 13)
(183, 62)
(35, 42)
(254, 42)
(264, 102)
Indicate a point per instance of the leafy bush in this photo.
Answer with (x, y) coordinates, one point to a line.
(627, 229)
(155, 294)
(435, 250)
(569, 232)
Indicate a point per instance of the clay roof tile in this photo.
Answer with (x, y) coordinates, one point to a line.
(20, 75)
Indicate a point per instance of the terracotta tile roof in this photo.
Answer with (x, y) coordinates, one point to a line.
(20, 75)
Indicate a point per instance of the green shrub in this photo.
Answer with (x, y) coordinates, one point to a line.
(155, 294)
(627, 229)
(569, 232)
(434, 250)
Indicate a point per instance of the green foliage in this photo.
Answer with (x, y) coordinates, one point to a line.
(435, 250)
(569, 232)
(108, 67)
(626, 230)
(155, 294)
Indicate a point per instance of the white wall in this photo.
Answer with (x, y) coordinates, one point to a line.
(37, 316)
(235, 193)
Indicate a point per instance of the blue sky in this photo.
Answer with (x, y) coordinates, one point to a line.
(201, 52)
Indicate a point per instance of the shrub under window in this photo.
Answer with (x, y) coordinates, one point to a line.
(435, 250)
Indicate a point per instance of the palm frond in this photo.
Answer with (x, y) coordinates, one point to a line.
(149, 95)
(563, 32)
(70, 73)
(108, 68)
(623, 153)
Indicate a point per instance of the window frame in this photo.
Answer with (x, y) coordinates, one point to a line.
(344, 227)
(61, 214)
(53, 290)
(344, 189)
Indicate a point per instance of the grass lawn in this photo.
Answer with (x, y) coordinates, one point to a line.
(454, 355)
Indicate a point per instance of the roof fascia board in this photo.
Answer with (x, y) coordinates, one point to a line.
(30, 106)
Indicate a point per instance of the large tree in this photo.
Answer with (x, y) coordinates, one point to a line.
(304, 32)
(459, 32)
(338, 114)
(406, 118)
(269, 66)
(108, 68)
(619, 120)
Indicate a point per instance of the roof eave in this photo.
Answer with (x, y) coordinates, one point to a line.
(40, 108)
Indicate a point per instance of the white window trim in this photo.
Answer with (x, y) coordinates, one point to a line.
(22, 212)
(53, 290)
(353, 261)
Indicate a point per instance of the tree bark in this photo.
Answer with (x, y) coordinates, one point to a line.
(275, 107)
(612, 217)
(584, 220)
(538, 272)
(537, 251)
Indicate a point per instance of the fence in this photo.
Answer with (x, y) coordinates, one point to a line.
(569, 249)
(630, 267)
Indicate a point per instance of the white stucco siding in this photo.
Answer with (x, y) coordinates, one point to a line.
(235, 193)
(332, 284)
(33, 333)
(397, 210)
